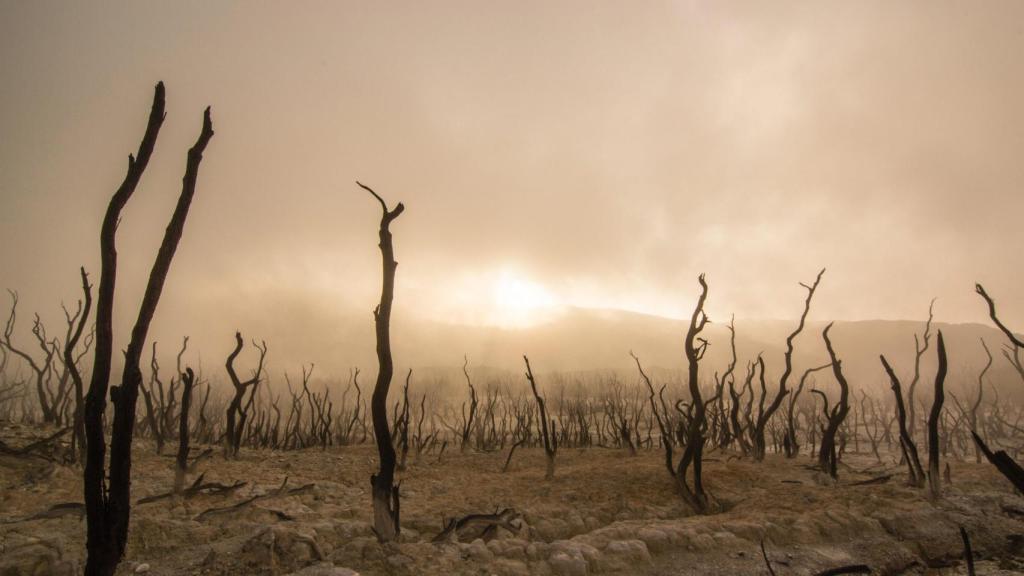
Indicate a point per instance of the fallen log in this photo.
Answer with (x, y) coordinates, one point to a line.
(473, 526)
(55, 511)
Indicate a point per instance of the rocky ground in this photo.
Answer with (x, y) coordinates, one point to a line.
(604, 513)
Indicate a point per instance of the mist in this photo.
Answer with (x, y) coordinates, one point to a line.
(599, 155)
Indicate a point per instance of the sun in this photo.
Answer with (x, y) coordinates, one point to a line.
(519, 301)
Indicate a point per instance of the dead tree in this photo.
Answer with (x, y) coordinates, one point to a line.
(973, 415)
(108, 505)
(71, 362)
(385, 492)
(236, 415)
(827, 456)
(188, 379)
(763, 416)
(694, 346)
(40, 368)
(1012, 352)
(790, 444)
(919, 350)
(907, 445)
(151, 411)
(1003, 462)
(548, 435)
(934, 481)
(467, 421)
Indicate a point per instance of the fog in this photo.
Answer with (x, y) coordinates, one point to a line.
(551, 158)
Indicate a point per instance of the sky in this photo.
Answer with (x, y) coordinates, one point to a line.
(549, 154)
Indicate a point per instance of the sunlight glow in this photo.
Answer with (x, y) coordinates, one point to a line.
(518, 301)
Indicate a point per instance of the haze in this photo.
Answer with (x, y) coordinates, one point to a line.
(550, 155)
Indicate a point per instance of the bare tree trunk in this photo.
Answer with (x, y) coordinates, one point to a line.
(187, 379)
(828, 459)
(981, 393)
(934, 481)
(919, 351)
(72, 366)
(907, 444)
(763, 416)
(548, 435)
(385, 493)
(108, 507)
(694, 347)
(236, 415)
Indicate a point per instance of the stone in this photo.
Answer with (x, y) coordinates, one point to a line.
(565, 565)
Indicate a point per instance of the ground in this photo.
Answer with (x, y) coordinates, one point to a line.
(604, 513)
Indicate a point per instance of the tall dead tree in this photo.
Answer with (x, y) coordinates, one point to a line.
(548, 435)
(108, 504)
(694, 346)
(920, 347)
(763, 416)
(1011, 352)
(385, 492)
(661, 417)
(827, 455)
(790, 444)
(78, 420)
(907, 445)
(236, 414)
(467, 421)
(188, 379)
(934, 481)
(973, 414)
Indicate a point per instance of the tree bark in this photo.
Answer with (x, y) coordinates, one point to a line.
(934, 481)
(108, 507)
(385, 493)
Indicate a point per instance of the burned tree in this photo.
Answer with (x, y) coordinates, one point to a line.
(1011, 352)
(694, 346)
(907, 445)
(919, 351)
(790, 444)
(385, 493)
(934, 482)
(973, 414)
(467, 420)
(108, 504)
(763, 416)
(71, 362)
(548, 435)
(188, 379)
(154, 423)
(40, 368)
(236, 414)
(827, 455)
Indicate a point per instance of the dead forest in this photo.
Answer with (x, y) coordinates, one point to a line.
(206, 440)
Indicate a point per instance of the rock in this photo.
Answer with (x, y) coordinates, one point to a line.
(629, 550)
(479, 551)
(565, 565)
(655, 539)
(508, 567)
(142, 568)
(536, 550)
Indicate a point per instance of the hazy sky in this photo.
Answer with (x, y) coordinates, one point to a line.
(548, 153)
